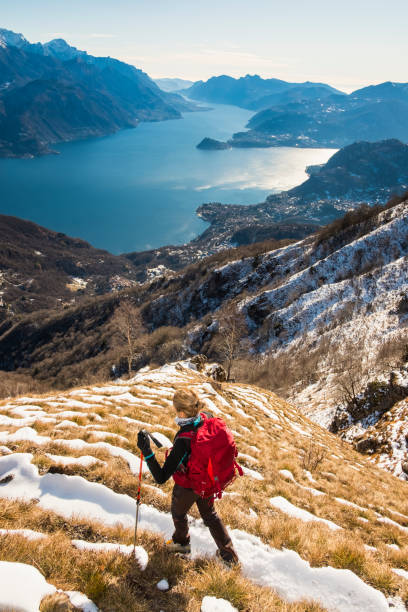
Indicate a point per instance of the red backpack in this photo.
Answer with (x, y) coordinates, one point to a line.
(211, 466)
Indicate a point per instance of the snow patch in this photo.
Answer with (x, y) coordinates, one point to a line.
(400, 572)
(85, 460)
(252, 473)
(25, 533)
(81, 601)
(285, 506)
(214, 604)
(14, 576)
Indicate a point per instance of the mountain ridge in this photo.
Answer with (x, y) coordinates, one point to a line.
(252, 91)
(54, 92)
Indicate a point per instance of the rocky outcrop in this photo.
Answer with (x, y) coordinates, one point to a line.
(380, 430)
(376, 399)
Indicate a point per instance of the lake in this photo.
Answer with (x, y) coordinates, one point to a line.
(140, 188)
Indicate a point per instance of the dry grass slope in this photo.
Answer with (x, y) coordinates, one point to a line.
(298, 460)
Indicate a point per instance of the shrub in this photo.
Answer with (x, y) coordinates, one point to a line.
(313, 457)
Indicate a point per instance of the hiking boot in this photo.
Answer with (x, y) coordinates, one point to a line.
(229, 563)
(174, 547)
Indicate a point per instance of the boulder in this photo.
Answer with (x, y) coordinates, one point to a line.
(216, 372)
(199, 361)
(367, 445)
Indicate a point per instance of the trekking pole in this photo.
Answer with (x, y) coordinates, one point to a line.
(155, 440)
(159, 445)
(138, 501)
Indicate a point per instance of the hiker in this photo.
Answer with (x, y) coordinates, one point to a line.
(190, 417)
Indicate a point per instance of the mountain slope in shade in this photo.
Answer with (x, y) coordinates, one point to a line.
(43, 86)
(42, 269)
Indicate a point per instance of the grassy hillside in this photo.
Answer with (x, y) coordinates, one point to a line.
(291, 465)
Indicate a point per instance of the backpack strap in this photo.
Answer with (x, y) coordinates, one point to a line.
(239, 468)
(184, 434)
(187, 434)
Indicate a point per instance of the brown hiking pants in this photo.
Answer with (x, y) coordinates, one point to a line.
(181, 502)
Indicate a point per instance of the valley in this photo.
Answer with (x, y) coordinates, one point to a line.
(248, 241)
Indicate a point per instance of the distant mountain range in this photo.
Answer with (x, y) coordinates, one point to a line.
(309, 114)
(168, 84)
(54, 92)
(373, 113)
(255, 93)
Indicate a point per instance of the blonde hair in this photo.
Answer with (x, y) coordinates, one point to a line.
(187, 401)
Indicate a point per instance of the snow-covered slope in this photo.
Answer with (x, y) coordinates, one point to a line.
(311, 298)
(318, 304)
(324, 299)
(302, 533)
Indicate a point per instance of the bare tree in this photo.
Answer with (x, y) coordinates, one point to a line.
(231, 336)
(353, 374)
(353, 368)
(313, 457)
(130, 330)
(349, 382)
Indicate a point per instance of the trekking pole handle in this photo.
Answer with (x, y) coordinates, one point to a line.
(155, 440)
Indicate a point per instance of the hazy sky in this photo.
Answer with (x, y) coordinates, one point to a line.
(347, 43)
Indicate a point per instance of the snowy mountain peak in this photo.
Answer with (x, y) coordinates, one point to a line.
(59, 48)
(9, 38)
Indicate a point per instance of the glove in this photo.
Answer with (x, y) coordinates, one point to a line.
(143, 443)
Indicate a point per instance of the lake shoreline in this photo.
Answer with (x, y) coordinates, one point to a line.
(139, 189)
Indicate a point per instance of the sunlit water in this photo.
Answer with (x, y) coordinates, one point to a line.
(139, 189)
